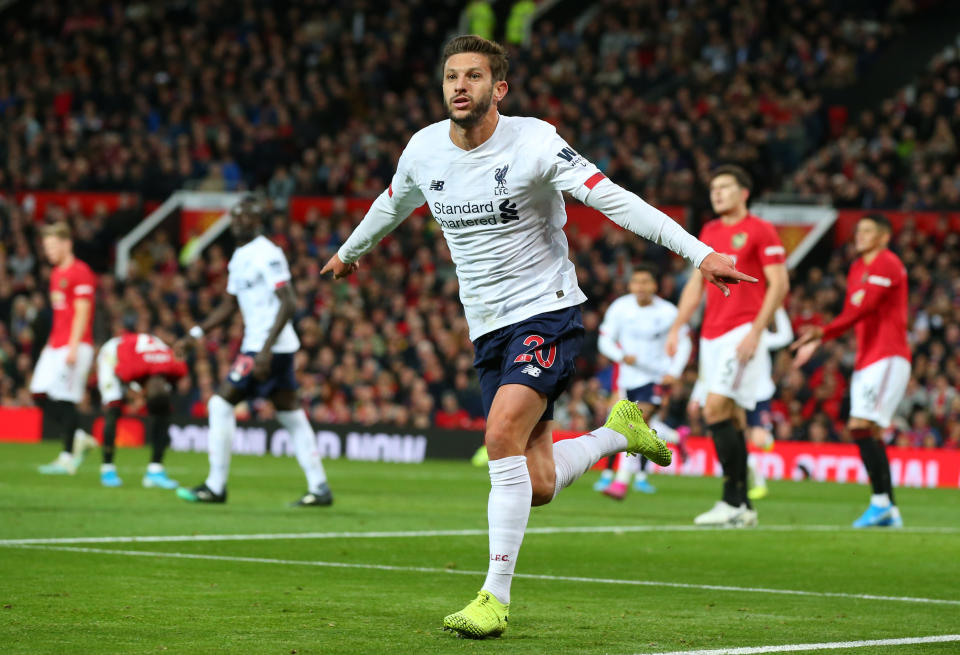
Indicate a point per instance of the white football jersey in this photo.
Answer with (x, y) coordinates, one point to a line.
(255, 272)
(630, 329)
(502, 212)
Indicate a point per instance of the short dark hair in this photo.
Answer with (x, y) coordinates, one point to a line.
(736, 172)
(880, 220)
(649, 269)
(254, 203)
(496, 54)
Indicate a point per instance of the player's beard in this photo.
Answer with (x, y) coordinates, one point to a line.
(475, 115)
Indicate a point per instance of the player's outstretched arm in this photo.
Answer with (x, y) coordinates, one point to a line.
(387, 212)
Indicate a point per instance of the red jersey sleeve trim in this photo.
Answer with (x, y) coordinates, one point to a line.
(390, 190)
(280, 284)
(594, 180)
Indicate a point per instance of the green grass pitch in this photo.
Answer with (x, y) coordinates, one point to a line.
(327, 595)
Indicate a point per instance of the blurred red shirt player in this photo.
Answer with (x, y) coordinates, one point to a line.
(60, 376)
(876, 307)
(145, 363)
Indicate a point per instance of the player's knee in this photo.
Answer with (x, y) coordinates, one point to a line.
(541, 497)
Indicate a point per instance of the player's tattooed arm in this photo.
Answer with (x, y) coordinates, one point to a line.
(225, 310)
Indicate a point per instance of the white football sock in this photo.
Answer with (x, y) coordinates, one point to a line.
(628, 466)
(223, 424)
(305, 445)
(574, 457)
(880, 500)
(154, 467)
(754, 476)
(508, 509)
(664, 431)
(107, 468)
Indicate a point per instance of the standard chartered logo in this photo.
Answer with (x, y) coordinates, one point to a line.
(455, 216)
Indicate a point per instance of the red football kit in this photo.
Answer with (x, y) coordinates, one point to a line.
(140, 356)
(67, 284)
(877, 303)
(752, 243)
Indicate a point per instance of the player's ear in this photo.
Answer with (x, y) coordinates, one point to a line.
(500, 90)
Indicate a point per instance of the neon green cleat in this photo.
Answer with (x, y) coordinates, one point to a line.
(757, 493)
(484, 617)
(627, 419)
(480, 458)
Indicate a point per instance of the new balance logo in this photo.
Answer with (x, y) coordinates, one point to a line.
(436, 185)
(508, 211)
(531, 370)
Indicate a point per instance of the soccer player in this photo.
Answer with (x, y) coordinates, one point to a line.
(633, 333)
(258, 280)
(731, 333)
(876, 305)
(759, 421)
(60, 376)
(141, 362)
(494, 185)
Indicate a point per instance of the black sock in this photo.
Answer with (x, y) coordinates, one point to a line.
(873, 459)
(725, 440)
(159, 437)
(742, 469)
(66, 413)
(110, 434)
(883, 470)
(643, 463)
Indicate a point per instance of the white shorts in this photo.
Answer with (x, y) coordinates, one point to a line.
(111, 388)
(876, 390)
(58, 381)
(722, 373)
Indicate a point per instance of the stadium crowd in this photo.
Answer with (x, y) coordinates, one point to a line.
(215, 95)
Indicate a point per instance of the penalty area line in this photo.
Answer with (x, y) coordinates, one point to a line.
(526, 576)
(831, 645)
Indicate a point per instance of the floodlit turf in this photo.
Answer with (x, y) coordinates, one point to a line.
(65, 602)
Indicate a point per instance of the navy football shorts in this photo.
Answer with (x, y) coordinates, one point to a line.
(281, 377)
(538, 352)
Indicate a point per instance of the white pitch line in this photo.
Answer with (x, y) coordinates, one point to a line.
(831, 645)
(406, 534)
(528, 576)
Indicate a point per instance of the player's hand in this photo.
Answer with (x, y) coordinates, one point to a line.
(182, 345)
(748, 346)
(720, 270)
(71, 356)
(339, 268)
(261, 364)
(629, 360)
(807, 344)
(673, 337)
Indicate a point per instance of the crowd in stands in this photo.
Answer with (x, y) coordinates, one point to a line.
(903, 155)
(320, 97)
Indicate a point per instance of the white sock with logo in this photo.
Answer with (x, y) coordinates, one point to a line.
(574, 457)
(664, 431)
(508, 509)
(223, 424)
(305, 445)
